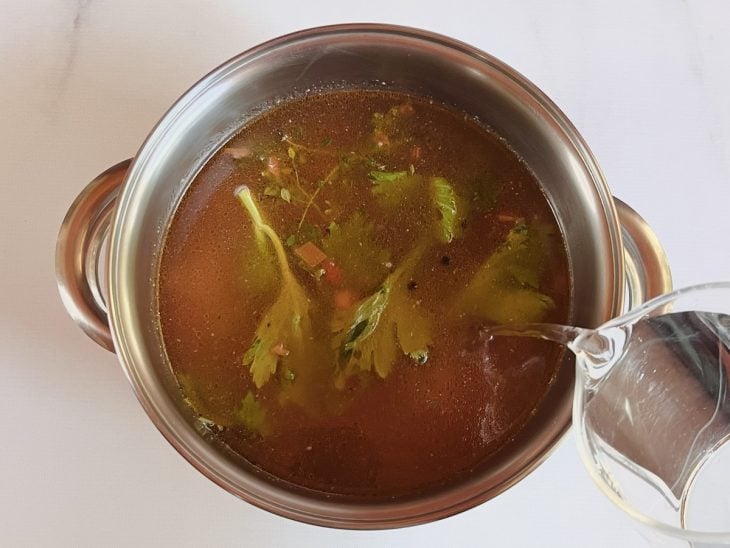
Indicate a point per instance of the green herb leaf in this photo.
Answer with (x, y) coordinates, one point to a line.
(485, 192)
(391, 187)
(287, 322)
(505, 288)
(308, 232)
(386, 124)
(351, 161)
(202, 403)
(256, 267)
(387, 176)
(353, 246)
(368, 336)
(286, 195)
(288, 375)
(451, 209)
(363, 324)
(253, 416)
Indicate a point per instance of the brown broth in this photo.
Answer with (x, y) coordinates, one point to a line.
(422, 425)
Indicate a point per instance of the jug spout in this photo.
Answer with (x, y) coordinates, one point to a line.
(598, 350)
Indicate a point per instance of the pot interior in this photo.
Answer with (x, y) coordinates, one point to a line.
(349, 57)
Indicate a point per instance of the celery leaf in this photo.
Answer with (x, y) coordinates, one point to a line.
(505, 289)
(369, 335)
(253, 416)
(451, 209)
(286, 324)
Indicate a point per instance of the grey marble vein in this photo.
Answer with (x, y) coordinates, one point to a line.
(80, 14)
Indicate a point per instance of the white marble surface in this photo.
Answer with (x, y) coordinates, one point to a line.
(647, 83)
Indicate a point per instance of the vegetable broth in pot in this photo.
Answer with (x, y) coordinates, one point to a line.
(350, 363)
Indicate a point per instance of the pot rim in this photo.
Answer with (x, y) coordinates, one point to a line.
(323, 512)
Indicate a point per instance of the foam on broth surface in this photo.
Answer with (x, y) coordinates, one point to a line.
(366, 179)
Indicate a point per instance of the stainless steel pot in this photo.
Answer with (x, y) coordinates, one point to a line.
(612, 252)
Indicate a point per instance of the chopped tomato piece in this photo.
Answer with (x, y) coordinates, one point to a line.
(344, 299)
(332, 272)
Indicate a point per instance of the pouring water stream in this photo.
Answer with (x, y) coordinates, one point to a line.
(598, 347)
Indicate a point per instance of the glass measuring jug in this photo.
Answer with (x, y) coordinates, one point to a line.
(652, 410)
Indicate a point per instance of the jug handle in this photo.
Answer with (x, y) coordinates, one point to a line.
(647, 268)
(79, 248)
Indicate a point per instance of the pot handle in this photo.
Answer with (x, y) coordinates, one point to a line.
(647, 269)
(79, 249)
